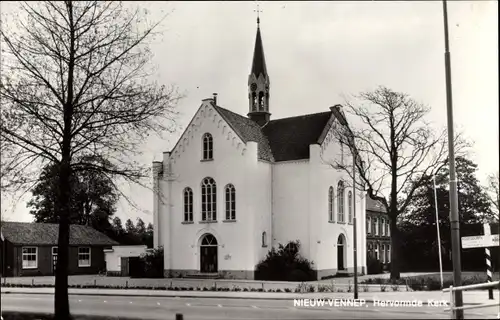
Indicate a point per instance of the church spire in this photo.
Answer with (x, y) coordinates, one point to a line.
(258, 82)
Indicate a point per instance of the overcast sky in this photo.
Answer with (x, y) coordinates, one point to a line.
(317, 51)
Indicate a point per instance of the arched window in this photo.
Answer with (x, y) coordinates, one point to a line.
(349, 199)
(375, 226)
(388, 233)
(230, 193)
(264, 239)
(368, 225)
(383, 254)
(340, 201)
(382, 229)
(261, 101)
(208, 200)
(331, 215)
(188, 205)
(208, 146)
(388, 253)
(254, 101)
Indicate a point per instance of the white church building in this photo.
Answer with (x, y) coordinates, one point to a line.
(234, 186)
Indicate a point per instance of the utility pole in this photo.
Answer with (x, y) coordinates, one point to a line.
(355, 227)
(438, 233)
(454, 217)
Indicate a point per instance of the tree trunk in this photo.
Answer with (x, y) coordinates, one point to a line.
(395, 243)
(61, 301)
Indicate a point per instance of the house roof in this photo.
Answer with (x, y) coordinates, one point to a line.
(48, 233)
(281, 139)
(374, 205)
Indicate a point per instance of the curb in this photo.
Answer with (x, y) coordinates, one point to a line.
(261, 297)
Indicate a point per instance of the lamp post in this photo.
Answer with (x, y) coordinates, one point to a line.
(454, 217)
(438, 233)
(355, 227)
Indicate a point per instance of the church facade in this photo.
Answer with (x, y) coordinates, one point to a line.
(235, 186)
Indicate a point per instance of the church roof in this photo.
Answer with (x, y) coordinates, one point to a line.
(282, 139)
(259, 61)
(290, 138)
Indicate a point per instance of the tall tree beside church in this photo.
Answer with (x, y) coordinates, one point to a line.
(397, 151)
(140, 226)
(75, 85)
(93, 199)
(418, 223)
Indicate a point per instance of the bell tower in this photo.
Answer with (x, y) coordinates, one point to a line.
(258, 83)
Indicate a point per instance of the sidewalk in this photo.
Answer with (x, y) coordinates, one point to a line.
(470, 297)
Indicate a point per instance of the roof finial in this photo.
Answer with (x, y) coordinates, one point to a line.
(258, 11)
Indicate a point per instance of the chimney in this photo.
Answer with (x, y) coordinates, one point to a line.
(215, 98)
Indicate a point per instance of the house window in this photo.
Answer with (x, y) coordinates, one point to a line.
(331, 215)
(375, 226)
(208, 147)
(188, 205)
(208, 200)
(380, 227)
(388, 254)
(84, 257)
(264, 239)
(387, 228)
(382, 231)
(368, 225)
(383, 253)
(377, 256)
(230, 202)
(340, 201)
(30, 257)
(349, 199)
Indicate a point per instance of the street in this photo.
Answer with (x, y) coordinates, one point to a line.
(213, 308)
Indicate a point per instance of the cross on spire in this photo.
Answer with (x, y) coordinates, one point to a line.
(258, 11)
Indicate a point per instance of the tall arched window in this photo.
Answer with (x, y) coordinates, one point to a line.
(188, 205)
(331, 215)
(208, 200)
(383, 254)
(208, 146)
(382, 229)
(340, 201)
(368, 225)
(349, 199)
(375, 226)
(230, 193)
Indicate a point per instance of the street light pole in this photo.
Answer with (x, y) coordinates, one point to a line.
(438, 233)
(355, 227)
(454, 217)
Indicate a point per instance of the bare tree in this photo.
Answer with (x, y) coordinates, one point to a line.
(396, 151)
(75, 86)
(493, 192)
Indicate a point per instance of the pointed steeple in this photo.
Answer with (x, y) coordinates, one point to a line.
(258, 83)
(259, 60)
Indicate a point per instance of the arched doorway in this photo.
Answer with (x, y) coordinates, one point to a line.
(341, 247)
(208, 254)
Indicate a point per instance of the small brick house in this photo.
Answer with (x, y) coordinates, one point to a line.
(378, 232)
(30, 249)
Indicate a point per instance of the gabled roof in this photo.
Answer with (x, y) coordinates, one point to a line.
(282, 139)
(248, 130)
(24, 233)
(373, 205)
(290, 138)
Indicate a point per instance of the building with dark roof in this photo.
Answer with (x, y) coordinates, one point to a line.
(236, 185)
(378, 232)
(30, 249)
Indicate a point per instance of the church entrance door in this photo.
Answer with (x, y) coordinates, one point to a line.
(341, 252)
(208, 254)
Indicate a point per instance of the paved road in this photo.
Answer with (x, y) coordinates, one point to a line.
(238, 309)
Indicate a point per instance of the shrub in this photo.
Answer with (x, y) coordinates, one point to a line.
(288, 290)
(395, 287)
(152, 262)
(278, 290)
(383, 287)
(374, 266)
(245, 289)
(285, 264)
(365, 287)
